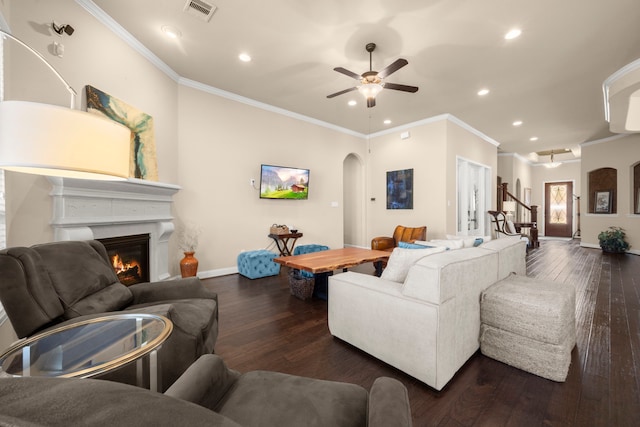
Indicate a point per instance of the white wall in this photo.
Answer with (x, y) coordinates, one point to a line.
(93, 56)
(465, 144)
(621, 154)
(222, 145)
(431, 152)
(424, 152)
(354, 202)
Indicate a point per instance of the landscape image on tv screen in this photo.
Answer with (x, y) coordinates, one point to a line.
(278, 182)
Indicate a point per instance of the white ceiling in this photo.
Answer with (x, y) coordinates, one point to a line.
(550, 77)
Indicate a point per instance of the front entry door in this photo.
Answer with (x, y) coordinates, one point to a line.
(558, 209)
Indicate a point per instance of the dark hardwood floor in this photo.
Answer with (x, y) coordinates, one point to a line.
(263, 327)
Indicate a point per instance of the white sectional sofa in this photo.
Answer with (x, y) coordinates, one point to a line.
(428, 325)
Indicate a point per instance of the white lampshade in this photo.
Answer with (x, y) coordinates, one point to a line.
(56, 141)
(509, 206)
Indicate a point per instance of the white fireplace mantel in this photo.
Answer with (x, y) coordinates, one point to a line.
(86, 210)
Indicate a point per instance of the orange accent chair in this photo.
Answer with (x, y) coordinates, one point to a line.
(400, 234)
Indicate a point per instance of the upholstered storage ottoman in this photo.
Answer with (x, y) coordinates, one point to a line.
(529, 324)
(302, 283)
(257, 264)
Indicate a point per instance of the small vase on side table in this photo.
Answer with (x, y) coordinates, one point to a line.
(188, 265)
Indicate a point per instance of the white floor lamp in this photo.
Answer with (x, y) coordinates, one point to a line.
(55, 141)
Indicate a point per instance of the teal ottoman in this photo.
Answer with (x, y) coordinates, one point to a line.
(257, 264)
(302, 284)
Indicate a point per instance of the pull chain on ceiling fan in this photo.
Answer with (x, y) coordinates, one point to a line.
(372, 82)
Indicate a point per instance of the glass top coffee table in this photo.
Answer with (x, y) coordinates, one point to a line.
(90, 347)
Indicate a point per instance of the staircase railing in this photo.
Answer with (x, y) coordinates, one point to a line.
(528, 220)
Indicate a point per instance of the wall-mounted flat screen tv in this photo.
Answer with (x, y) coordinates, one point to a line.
(279, 182)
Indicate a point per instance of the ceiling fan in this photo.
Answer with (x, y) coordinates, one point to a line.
(372, 82)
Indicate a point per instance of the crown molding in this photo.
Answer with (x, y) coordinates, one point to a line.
(603, 140)
(127, 37)
(434, 119)
(136, 45)
(257, 104)
(609, 81)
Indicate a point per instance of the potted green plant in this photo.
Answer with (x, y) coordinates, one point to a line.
(612, 240)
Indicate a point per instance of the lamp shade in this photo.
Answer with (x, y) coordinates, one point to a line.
(509, 206)
(56, 141)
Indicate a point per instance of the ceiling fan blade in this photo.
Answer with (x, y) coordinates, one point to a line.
(342, 92)
(347, 73)
(371, 102)
(403, 88)
(392, 68)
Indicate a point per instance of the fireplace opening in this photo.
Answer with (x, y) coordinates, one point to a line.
(129, 256)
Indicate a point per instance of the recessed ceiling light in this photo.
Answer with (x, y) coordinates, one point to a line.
(244, 57)
(352, 103)
(483, 92)
(512, 34)
(387, 122)
(533, 138)
(171, 32)
(517, 123)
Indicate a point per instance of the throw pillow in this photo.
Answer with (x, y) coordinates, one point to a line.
(402, 259)
(407, 245)
(468, 241)
(449, 244)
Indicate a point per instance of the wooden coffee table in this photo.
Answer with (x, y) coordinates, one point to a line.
(323, 263)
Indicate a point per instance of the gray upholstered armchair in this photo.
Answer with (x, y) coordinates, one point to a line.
(56, 283)
(222, 397)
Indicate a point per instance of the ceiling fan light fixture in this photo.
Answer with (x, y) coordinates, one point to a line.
(370, 90)
(552, 164)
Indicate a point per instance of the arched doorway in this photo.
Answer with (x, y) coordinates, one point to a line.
(353, 201)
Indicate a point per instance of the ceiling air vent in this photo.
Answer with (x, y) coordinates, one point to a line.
(200, 9)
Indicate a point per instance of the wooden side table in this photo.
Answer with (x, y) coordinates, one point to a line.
(282, 242)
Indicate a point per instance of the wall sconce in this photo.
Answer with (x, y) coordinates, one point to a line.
(60, 29)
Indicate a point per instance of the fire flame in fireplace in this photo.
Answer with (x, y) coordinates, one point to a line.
(125, 268)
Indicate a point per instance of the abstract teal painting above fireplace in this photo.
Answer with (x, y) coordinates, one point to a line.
(142, 158)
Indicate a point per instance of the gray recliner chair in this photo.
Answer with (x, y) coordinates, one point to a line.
(210, 394)
(52, 284)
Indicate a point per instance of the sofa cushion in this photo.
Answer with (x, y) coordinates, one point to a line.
(448, 244)
(112, 298)
(88, 402)
(440, 277)
(402, 259)
(194, 316)
(467, 241)
(512, 252)
(77, 263)
(277, 399)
